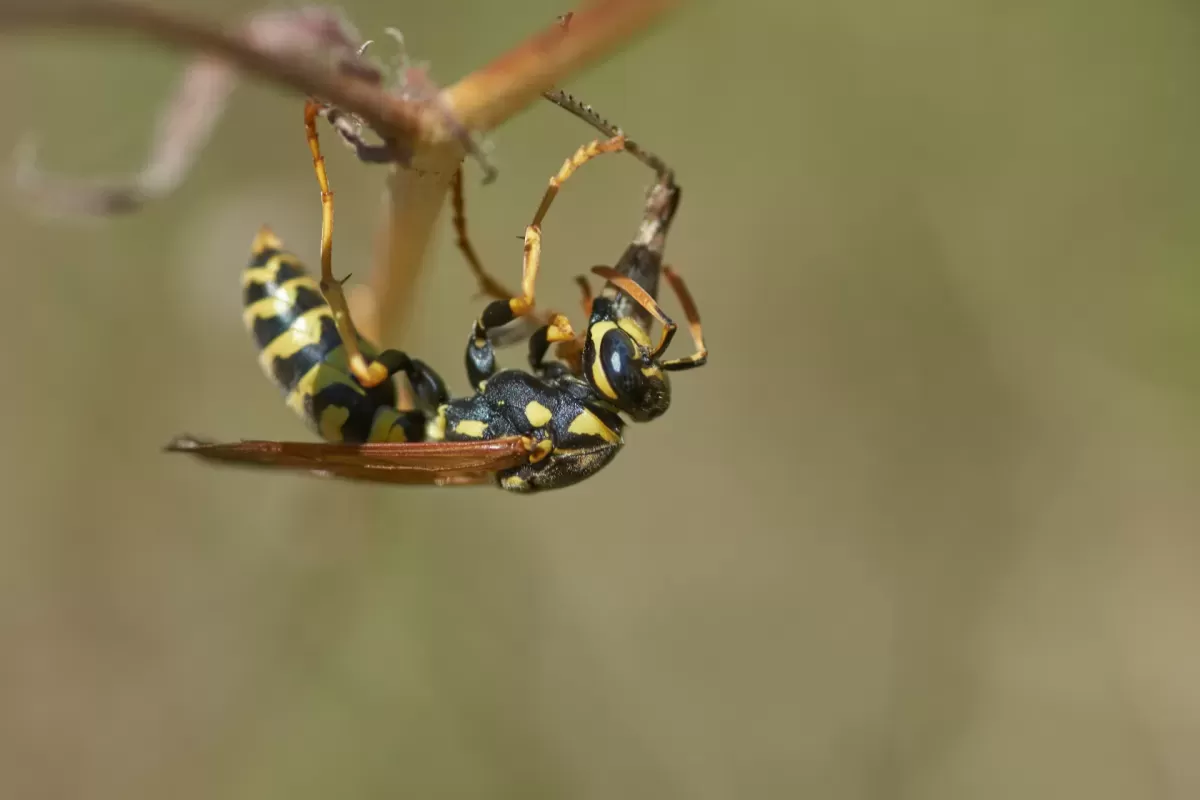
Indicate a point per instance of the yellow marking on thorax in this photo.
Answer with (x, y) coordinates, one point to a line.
(332, 420)
(537, 414)
(635, 331)
(435, 429)
(473, 428)
(588, 424)
(304, 331)
(384, 427)
(599, 378)
(541, 450)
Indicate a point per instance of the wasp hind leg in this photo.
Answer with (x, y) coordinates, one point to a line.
(428, 386)
(488, 286)
(369, 374)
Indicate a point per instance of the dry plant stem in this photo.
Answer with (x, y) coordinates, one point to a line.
(481, 101)
(493, 94)
(383, 112)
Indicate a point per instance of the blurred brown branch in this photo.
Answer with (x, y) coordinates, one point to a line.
(431, 138)
(481, 101)
(279, 59)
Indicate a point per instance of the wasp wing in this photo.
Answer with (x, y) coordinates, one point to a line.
(413, 463)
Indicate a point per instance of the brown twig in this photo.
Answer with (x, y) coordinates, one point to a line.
(286, 66)
(430, 132)
(481, 101)
(496, 92)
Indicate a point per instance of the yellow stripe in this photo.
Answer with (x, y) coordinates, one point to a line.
(312, 382)
(304, 331)
(332, 420)
(599, 378)
(267, 272)
(635, 331)
(384, 427)
(280, 301)
(588, 424)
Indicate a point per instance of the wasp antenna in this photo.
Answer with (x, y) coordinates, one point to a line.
(588, 114)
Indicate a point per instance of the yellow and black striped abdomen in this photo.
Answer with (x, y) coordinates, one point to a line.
(301, 352)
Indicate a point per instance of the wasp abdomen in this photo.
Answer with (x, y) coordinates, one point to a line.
(301, 351)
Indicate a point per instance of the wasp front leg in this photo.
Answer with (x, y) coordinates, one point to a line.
(481, 358)
(501, 312)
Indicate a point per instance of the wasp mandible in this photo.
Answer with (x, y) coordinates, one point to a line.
(523, 431)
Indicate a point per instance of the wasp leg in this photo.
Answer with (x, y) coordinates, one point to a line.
(700, 357)
(502, 312)
(539, 345)
(569, 351)
(487, 284)
(480, 358)
(369, 374)
(350, 130)
(428, 386)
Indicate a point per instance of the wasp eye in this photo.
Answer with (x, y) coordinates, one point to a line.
(641, 391)
(620, 359)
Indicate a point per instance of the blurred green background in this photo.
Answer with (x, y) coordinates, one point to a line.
(925, 527)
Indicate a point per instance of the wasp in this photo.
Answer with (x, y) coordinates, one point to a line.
(524, 431)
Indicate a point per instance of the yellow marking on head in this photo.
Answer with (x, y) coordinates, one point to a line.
(542, 449)
(588, 424)
(265, 239)
(537, 414)
(305, 330)
(482, 386)
(635, 331)
(435, 429)
(384, 427)
(652, 372)
(599, 377)
(332, 420)
(473, 428)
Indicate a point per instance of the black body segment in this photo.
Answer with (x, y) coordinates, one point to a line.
(573, 431)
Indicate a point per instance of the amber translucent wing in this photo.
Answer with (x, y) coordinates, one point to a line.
(415, 463)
